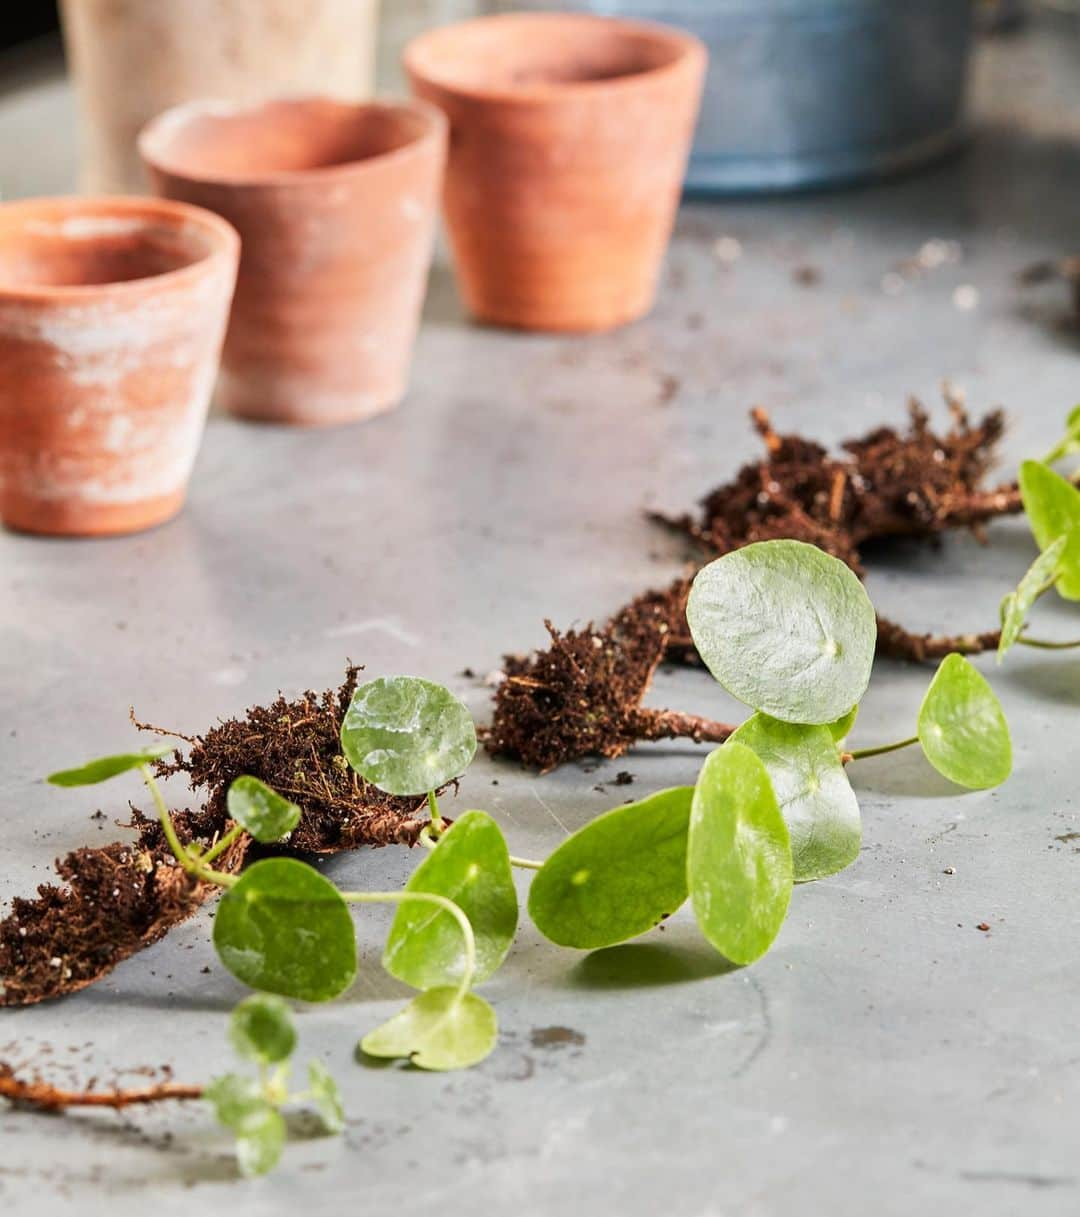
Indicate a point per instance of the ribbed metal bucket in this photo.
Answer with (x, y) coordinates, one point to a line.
(805, 93)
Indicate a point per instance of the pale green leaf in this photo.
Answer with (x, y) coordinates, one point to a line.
(1015, 607)
(439, 1030)
(326, 1097)
(260, 810)
(962, 727)
(1053, 510)
(261, 1029)
(106, 767)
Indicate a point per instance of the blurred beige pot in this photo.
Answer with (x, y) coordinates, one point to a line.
(132, 59)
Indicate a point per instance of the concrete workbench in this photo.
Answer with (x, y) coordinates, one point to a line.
(886, 1057)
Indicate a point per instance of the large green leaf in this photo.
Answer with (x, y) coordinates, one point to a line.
(785, 628)
(1038, 578)
(1053, 510)
(285, 929)
(260, 810)
(406, 735)
(618, 876)
(962, 727)
(106, 767)
(739, 859)
(812, 788)
(440, 1029)
(470, 866)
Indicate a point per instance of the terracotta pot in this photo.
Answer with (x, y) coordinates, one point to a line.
(112, 314)
(336, 206)
(569, 140)
(132, 59)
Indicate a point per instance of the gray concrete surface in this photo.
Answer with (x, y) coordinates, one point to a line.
(886, 1058)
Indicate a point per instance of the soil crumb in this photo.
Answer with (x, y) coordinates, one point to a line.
(556, 1037)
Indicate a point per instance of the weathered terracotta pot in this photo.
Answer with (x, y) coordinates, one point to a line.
(112, 315)
(336, 207)
(569, 140)
(132, 59)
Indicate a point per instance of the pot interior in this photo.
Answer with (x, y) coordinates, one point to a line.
(540, 52)
(220, 142)
(72, 248)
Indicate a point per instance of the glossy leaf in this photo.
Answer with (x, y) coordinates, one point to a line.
(1053, 510)
(812, 788)
(785, 628)
(617, 877)
(285, 929)
(739, 858)
(1016, 605)
(106, 767)
(260, 1140)
(326, 1097)
(406, 735)
(962, 727)
(261, 1029)
(234, 1097)
(260, 810)
(438, 1030)
(470, 866)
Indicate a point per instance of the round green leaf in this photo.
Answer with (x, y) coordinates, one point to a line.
(260, 1140)
(470, 866)
(234, 1097)
(326, 1097)
(1016, 605)
(260, 810)
(106, 767)
(285, 929)
(261, 1029)
(841, 728)
(812, 788)
(438, 1030)
(1053, 510)
(785, 628)
(407, 736)
(617, 877)
(962, 727)
(739, 858)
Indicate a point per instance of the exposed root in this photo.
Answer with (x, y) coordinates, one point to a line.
(897, 643)
(39, 1094)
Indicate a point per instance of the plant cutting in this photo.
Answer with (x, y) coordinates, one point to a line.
(112, 314)
(569, 140)
(335, 203)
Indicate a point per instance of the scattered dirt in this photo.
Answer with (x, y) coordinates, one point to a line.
(118, 898)
(982, 926)
(556, 1037)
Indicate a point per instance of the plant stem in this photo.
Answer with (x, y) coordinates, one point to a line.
(192, 865)
(525, 863)
(881, 749)
(1045, 645)
(50, 1098)
(670, 724)
(437, 825)
(448, 906)
(222, 845)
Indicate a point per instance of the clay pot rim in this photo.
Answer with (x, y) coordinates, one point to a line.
(161, 128)
(224, 243)
(686, 47)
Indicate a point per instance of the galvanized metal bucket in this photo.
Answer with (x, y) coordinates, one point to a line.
(808, 93)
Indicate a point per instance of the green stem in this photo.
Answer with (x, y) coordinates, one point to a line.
(881, 749)
(443, 903)
(192, 865)
(221, 846)
(428, 842)
(437, 825)
(1045, 645)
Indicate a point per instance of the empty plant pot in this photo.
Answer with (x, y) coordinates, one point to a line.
(112, 315)
(335, 205)
(131, 59)
(569, 140)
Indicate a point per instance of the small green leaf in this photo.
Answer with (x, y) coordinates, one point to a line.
(470, 866)
(617, 877)
(1016, 605)
(106, 767)
(962, 727)
(438, 1030)
(261, 1029)
(841, 728)
(326, 1097)
(785, 628)
(1053, 510)
(739, 860)
(285, 929)
(260, 1140)
(1069, 444)
(260, 810)
(812, 788)
(234, 1097)
(407, 736)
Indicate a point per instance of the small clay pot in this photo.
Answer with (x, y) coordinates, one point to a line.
(112, 315)
(336, 205)
(569, 140)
